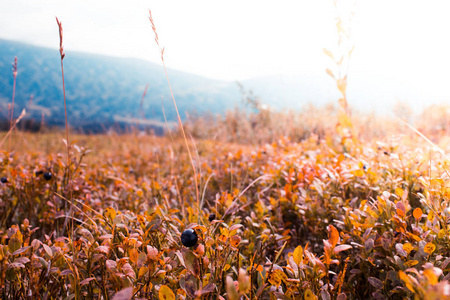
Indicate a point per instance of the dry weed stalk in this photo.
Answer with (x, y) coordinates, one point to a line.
(13, 126)
(141, 106)
(62, 54)
(176, 109)
(71, 211)
(14, 69)
(341, 60)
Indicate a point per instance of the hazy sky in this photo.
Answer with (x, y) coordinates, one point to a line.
(395, 40)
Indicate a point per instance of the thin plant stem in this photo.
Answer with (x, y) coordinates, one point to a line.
(13, 126)
(62, 54)
(13, 96)
(178, 114)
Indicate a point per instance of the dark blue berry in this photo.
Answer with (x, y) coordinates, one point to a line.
(48, 175)
(189, 238)
(212, 217)
(4, 180)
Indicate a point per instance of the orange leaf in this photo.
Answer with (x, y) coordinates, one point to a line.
(235, 240)
(400, 208)
(405, 278)
(329, 72)
(133, 253)
(417, 213)
(333, 235)
(429, 274)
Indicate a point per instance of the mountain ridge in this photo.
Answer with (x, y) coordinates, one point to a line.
(101, 89)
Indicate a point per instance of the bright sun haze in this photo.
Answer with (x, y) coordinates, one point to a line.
(401, 47)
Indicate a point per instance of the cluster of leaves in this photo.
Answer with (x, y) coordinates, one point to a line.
(281, 221)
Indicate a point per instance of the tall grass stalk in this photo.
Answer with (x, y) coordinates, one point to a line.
(71, 211)
(62, 54)
(22, 114)
(141, 106)
(176, 109)
(13, 96)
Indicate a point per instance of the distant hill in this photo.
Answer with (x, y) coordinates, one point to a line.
(102, 91)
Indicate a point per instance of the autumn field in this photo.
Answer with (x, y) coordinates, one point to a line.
(280, 220)
(254, 203)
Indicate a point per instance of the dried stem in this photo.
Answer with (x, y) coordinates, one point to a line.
(141, 106)
(13, 96)
(176, 109)
(12, 127)
(62, 54)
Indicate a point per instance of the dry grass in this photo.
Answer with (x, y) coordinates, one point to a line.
(289, 209)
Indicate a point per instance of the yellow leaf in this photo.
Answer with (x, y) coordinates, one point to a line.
(142, 271)
(408, 247)
(298, 255)
(276, 277)
(224, 235)
(203, 229)
(110, 213)
(411, 263)
(358, 173)
(429, 248)
(417, 213)
(19, 235)
(441, 233)
(309, 295)
(14, 244)
(430, 216)
(165, 293)
(399, 192)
